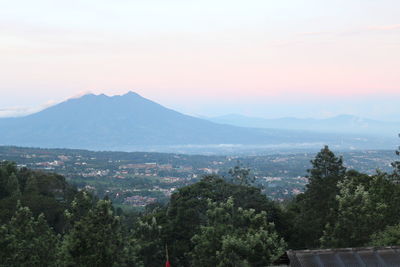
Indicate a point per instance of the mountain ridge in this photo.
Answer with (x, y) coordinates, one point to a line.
(343, 123)
(130, 122)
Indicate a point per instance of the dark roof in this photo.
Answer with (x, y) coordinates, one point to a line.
(346, 257)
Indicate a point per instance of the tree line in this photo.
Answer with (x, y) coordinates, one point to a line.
(214, 222)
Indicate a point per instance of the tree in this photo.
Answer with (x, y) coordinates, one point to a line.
(146, 242)
(241, 176)
(80, 206)
(187, 211)
(42, 192)
(26, 241)
(13, 186)
(95, 240)
(9, 185)
(236, 237)
(366, 204)
(32, 185)
(312, 210)
(325, 165)
(396, 165)
(388, 237)
(354, 222)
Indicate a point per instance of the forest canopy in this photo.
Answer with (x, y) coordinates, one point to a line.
(217, 221)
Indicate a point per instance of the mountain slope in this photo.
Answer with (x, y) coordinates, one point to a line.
(99, 121)
(131, 122)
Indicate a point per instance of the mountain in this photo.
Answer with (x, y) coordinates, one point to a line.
(338, 124)
(130, 122)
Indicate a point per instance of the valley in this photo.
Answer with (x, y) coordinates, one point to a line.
(136, 179)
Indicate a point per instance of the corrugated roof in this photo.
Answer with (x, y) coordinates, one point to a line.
(346, 257)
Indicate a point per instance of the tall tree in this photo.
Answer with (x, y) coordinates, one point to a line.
(396, 165)
(313, 209)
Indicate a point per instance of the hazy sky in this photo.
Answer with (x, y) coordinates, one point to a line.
(267, 58)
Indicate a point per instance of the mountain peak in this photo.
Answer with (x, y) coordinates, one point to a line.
(93, 95)
(131, 93)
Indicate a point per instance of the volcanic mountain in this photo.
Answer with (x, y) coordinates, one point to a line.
(130, 122)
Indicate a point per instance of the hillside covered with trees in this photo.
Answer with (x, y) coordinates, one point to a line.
(214, 222)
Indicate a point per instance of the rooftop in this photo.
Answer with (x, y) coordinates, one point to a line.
(368, 256)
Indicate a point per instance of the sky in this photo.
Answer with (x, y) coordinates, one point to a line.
(266, 58)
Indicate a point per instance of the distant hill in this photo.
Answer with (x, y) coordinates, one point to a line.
(130, 122)
(338, 124)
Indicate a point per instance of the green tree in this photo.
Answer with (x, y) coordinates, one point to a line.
(12, 186)
(32, 184)
(187, 210)
(95, 240)
(8, 181)
(147, 243)
(390, 236)
(42, 192)
(241, 176)
(236, 237)
(80, 206)
(365, 204)
(354, 218)
(312, 210)
(396, 165)
(26, 241)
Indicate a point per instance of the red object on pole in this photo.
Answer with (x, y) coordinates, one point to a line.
(167, 264)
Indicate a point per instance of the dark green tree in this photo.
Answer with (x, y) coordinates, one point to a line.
(390, 236)
(236, 237)
(8, 181)
(95, 240)
(146, 242)
(241, 176)
(366, 204)
(187, 210)
(396, 166)
(26, 241)
(314, 208)
(42, 192)
(79, 207)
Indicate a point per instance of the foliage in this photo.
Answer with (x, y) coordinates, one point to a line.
(80, 206)
(95, 240)
(9, 185)
(214, 222)
(365, 204)
(312, 210)
(396, 165)
(241, 176)
(42, 192)
(149, 246)
(26, 241)
(236, 237)
(390, 236)
(187, 211)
